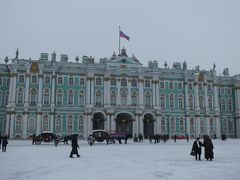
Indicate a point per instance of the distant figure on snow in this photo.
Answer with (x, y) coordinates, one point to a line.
(74, 146)
(207, 142)
(197, 148)
(4, 142)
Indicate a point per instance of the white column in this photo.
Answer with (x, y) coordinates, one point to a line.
(140, 87)
(206, 96)
(154, 94)
(107, 126)
(53, 90)
(52, 122)
(108, 92)
(89, 124)
(39, 122)
(216, 105)
(188, 125)
(25, 119)
(141, 124)
(157, 94)
(113, 123)
(40, 86)
(159, 125)
(134, 130)
(92, 91)
(186, 96)
(155, 123)
(196, 96)
(197, 126)
(88, 92)
(7, 124)
(218, 127)
(207, 126)
(26, 90)
(137, 124)
(105, 93)
(129, 93)
(118, 93)
(12, 126)
(14, 90)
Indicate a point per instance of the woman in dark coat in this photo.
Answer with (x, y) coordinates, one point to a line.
(197, 148)
(207, 142)
(4, 142)
(74, 146)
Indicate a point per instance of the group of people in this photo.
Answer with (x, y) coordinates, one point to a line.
(208, 146)
(3, 142)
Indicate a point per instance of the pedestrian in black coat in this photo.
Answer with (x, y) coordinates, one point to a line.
(4, 142)
(207, 142)
(197, 148)
(75, 146)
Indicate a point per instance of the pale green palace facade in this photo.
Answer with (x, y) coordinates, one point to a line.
(115, 94)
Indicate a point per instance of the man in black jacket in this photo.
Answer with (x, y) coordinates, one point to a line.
(74, 146)
(197, 148)
(4, 142)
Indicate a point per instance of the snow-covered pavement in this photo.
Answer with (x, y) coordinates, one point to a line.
(135, 161)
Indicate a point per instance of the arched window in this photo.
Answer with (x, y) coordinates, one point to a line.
(201, 102)
(171, 101)
(211, 124)
(223, 105)
(190, 87)
(21, 79)
(70, 97)
(200, 87)
(70, 123)
(99, 81)
(148, 99)
(82, 82)
(209, 87)
(180, 87)
(6, 98)
(224, 125)
(60, 81)
(134, 99)
(113, 98)
(20, 95)
(124, 82)
(190, 101)
(134, 83)
(162, 86)
(34, 79)
(171, 85)
(33, 97)
(162, 101)
(81, 98)
(163, 124)
(58, 123)
(70, 81)
(113, 82)
(180, 102)
(172, 124)
(19, 123)
(47, 80)
(229, 105)
(46, 97)
(80, 124)
(45, 123)
(192, 125)
(124, 98)
(210, 102)
(147, 83)
(181, 125)
(59, 98)
(99, 98)
(202, 126)
(32, 124)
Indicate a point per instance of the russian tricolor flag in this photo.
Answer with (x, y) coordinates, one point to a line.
(121, 34)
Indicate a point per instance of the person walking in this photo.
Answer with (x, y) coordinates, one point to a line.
(4, 142)
(207, 142)
(0, 140)
(197, 148)
(75, 146)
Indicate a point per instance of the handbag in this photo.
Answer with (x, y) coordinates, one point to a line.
(192, 153)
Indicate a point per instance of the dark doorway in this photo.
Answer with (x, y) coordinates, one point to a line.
(98, 121)
(124, 123)
(148, 124)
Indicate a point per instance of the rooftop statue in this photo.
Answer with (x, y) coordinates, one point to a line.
(177, 65)
(197, 68)
(17, 53)
(165, 64)
(77, 59)
(184, 65)
(53, 56)
(226, 72)
(214, 66)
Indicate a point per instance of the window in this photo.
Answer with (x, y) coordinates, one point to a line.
(6, 98)
(224, 124)
(32, 124)
(229, 91)
(210, 102)
(147, 83)
(230, 125)
(163, 124)
(190, 87)
(222, 90)
(211, 124)
(171, 85)
(81, 98)
(20, 96)
(172, 124)
(229, 105)
(46, 97)
(70, 123)
(162, 101)
(192, 125)
(223, 105)
(147, 99)
(19, 123)
(99, 98)
(80, 124)
(47, 80)
(200, 87)
(60, 80)
(1, 98)
(34, 79)
(1, 81)
(201, 102)
(59, 98)
(171, 101)
(113, 82)
(180, 87)
(70, 97)
(162, 86)
(209, 87)
(180, 102)
(124, 98)
(82, 82)
(58, 123)
(98, 81)
(202, 126)
(113, 98)
(8, 82)
(134, 83)
(33, 97)
(70, 81)
(134, 99)
(45, 123)
(21, 79)
(191, 101)
(124, 82)
(181, 125)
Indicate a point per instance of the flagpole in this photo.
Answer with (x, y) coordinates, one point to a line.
(119, 42)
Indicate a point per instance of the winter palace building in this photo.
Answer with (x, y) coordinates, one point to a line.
(116, 94)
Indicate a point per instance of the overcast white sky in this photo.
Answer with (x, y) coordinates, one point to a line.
(199, 32)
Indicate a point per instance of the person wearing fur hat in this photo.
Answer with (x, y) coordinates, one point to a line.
(197, 148)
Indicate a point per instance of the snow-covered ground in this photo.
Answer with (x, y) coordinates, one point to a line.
(135, 161)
